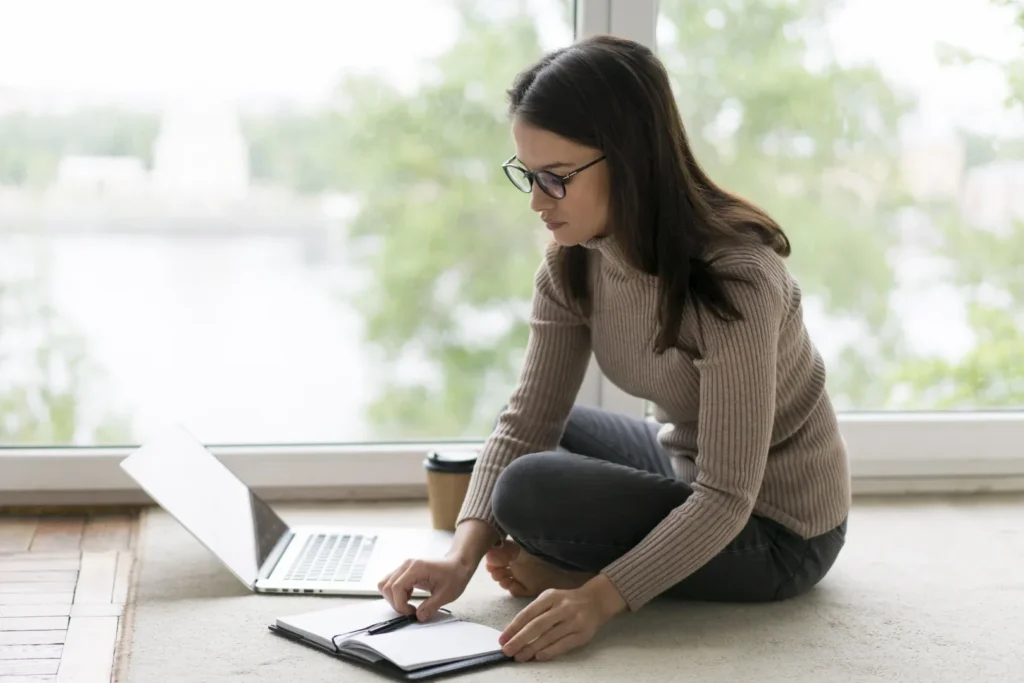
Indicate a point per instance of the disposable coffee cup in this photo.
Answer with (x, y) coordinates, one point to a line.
(448, 475)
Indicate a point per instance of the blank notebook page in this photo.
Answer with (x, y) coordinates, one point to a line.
(417, 646)
(324, 624)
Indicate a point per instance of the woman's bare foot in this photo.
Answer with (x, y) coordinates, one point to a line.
(525, 576)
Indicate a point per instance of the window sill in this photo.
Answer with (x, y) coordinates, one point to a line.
(891, 454)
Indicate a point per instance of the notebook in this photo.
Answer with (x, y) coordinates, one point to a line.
(375, 636)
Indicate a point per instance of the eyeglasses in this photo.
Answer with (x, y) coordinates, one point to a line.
(553, 185)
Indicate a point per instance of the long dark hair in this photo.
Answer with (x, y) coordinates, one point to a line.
(665, 212)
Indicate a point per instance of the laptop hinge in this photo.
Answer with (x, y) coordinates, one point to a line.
(276, 554)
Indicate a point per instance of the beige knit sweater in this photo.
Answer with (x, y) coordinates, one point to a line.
(747, 422)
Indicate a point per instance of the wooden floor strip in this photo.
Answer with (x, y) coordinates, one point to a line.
(62, 610)
(96, 610)
(31, 565)
(89, 650)
(122, 577)
(36, 557)
(36, 598)
(37, 586)
(30, 651)
(33, 623)
(32, 637)
(58, 533)
(30, 666)
(107, 532)
(96, 578)
(58, 610)
(16, 533)
(26, 575)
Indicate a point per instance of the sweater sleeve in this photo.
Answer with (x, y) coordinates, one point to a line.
(557, 354)
(737, 367)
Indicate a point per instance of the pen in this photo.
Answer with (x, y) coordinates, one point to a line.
(392, 624)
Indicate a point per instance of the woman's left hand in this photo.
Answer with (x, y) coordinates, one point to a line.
(558, 621)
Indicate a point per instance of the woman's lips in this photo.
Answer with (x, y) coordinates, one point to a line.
(554, 225)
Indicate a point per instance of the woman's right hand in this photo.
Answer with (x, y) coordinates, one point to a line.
(446, 579)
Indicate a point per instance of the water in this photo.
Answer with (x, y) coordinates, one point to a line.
(243, 340)
(236, 338)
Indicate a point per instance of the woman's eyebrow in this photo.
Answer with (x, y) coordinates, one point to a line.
(557, 164)
(546, 167)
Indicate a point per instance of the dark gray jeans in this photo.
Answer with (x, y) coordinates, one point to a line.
(610, 484)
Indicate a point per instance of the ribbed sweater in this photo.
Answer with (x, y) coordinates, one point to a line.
(746, 418)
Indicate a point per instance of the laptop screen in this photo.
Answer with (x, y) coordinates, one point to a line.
(206, 498)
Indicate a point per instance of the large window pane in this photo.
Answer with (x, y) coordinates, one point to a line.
(272, 222)
(888, 139)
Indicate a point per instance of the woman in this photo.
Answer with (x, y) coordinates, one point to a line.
(680, 291)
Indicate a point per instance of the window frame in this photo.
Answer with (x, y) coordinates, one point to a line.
(890, 452)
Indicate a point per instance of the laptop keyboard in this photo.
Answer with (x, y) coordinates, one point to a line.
(332, 557)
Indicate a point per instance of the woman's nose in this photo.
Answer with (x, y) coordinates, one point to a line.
(539, 200)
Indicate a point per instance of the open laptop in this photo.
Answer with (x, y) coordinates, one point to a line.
(255, 544)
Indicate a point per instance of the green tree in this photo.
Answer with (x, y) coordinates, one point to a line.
(299, 151)
(31, 145)
(49, 394)
(770, 116)
(988, 267)
(449, 249)
(816, 147)
(446, 242)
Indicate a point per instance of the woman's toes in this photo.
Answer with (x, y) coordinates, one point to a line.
(499, 573)
(518, 590)
(503, 555)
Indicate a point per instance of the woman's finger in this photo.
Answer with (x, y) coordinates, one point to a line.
(383, 582)
(528, 614)
(570, 642)
(388, 582)
(401, 589)
(536, 628)
(552, 635)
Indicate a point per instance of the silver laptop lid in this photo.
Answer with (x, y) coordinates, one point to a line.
(206, 498)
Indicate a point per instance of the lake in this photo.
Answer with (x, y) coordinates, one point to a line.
(243, 339)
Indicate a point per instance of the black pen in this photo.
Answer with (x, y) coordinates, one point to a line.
(392, 624)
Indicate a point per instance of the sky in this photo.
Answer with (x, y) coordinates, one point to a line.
(295, 49)
(901, 36)
(289, 48)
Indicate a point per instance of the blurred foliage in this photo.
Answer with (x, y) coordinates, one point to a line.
(987, 265)
(31, 145)
(449, 250)
(50, 391)
(446, 248)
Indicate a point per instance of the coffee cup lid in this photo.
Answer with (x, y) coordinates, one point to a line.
(450, 461)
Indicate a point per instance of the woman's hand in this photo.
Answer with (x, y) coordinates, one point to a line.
(445, 579)
(561, 620)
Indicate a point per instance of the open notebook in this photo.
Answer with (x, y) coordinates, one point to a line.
(376, 636)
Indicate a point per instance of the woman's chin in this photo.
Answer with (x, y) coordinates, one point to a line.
(567, 238)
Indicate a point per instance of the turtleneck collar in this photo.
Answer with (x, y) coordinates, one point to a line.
(611, 252)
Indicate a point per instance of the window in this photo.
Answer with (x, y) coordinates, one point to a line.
(888, 141)
(272, 222)
(286, 226)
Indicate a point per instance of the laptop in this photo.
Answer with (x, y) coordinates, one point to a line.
(254, 543)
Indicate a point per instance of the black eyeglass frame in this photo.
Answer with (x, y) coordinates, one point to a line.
(561, 181)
